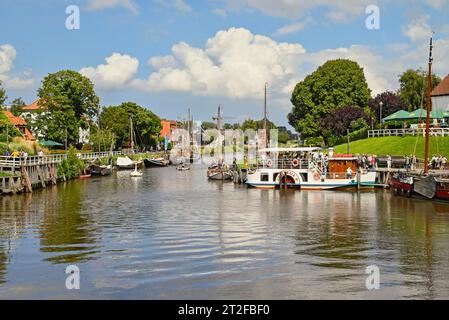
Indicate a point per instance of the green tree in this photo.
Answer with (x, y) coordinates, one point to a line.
(413, 87)
(117, 119)
(70, 102)
(208, 125)
(337, 83)
(256, 125)
(17, 105)
(3, 95)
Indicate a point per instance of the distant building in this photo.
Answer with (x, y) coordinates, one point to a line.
(30, 112)
(168, 127)
(20, 124)
(440, 96)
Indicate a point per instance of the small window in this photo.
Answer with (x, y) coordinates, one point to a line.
(264, 177)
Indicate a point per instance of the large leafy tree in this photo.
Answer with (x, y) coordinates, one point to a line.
(70, 102)
(337, 83)
(256, 124)
(341, 119)
(3, 95)
(413, 87)
(391, 103)
(117, 119)
(17, 105)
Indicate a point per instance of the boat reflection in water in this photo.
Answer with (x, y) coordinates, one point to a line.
(160, 237)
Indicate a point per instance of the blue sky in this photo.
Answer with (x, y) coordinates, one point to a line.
(170, 55)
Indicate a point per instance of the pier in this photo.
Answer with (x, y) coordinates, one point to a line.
(23, 174)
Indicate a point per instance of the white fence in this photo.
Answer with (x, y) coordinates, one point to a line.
(436, 132)
(52, 159)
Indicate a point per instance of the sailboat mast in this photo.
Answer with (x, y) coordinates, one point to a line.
(131, 134)
(219, 135)
(429, 102)
(265, 120)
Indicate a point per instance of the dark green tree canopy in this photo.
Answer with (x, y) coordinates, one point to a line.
(71, 103)
(337, 83)
(117, 120)
(391, 104)
(413, 87)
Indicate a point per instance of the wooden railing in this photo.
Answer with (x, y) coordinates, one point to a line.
(436, 132)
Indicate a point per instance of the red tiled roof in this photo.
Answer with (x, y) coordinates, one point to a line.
(28, 135)
(32, 107)
(442, 89)
(17, 121)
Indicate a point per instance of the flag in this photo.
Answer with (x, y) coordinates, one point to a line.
(166, 142)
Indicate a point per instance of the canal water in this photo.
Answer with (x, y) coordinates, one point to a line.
(175, 235)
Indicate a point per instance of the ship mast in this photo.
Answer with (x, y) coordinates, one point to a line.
(265, 118)
(429, 103)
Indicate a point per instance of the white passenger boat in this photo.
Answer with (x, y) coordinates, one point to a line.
(309, 169)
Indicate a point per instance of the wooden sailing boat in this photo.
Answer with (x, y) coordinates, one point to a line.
(220, 170)
(125, 163)
(429, 186)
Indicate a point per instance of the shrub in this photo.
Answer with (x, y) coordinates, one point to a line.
(72, 166)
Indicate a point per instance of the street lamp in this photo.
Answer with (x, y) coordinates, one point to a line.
(380, 114)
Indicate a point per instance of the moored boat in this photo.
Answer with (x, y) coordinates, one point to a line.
(156, 162)
(308, 169)
(100, 170)
(125, 163)
(219, 172)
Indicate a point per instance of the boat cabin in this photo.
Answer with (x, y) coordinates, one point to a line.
(339, 164)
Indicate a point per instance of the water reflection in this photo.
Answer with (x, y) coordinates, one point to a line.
(175, 235)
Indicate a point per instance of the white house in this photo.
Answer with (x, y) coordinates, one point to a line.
(440, 96)
(30, 112)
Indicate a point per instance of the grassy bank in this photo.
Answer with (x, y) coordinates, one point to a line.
(397, 146)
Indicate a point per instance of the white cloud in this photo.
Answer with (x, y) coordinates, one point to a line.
(418, 29)
(294, 27)
(10, 81)
(339, 10)
(105, 4)
(117, 72)
(235, 63)
(179, 5)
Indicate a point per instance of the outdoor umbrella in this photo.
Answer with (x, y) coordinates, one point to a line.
(399, 115)
(50, 143)
(422, 114)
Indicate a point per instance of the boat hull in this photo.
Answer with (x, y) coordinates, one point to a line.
(154, 163)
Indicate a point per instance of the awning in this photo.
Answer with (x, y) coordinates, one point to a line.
(50, 143)
(399, 115)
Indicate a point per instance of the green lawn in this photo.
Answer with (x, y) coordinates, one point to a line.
(397, 146)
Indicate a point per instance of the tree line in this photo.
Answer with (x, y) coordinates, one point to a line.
(69, 104)
(336, 98)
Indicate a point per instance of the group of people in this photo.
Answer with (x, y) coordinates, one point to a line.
(438, 162)
(368, 162)
(21, 154)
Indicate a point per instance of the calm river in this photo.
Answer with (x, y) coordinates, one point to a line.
(174, 235)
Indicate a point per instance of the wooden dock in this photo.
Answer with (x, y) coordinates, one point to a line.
(23, 174)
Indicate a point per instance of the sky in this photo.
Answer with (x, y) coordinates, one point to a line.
(171, 55)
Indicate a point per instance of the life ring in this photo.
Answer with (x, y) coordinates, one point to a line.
(269, 163)
(316, 176)
(295, 163)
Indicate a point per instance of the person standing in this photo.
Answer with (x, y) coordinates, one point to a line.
(389, 162)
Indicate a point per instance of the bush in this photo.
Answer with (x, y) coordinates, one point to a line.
(314, 142)
(72, 166)
(20, 144)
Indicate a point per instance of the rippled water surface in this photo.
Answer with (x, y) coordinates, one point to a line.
(174, 235)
